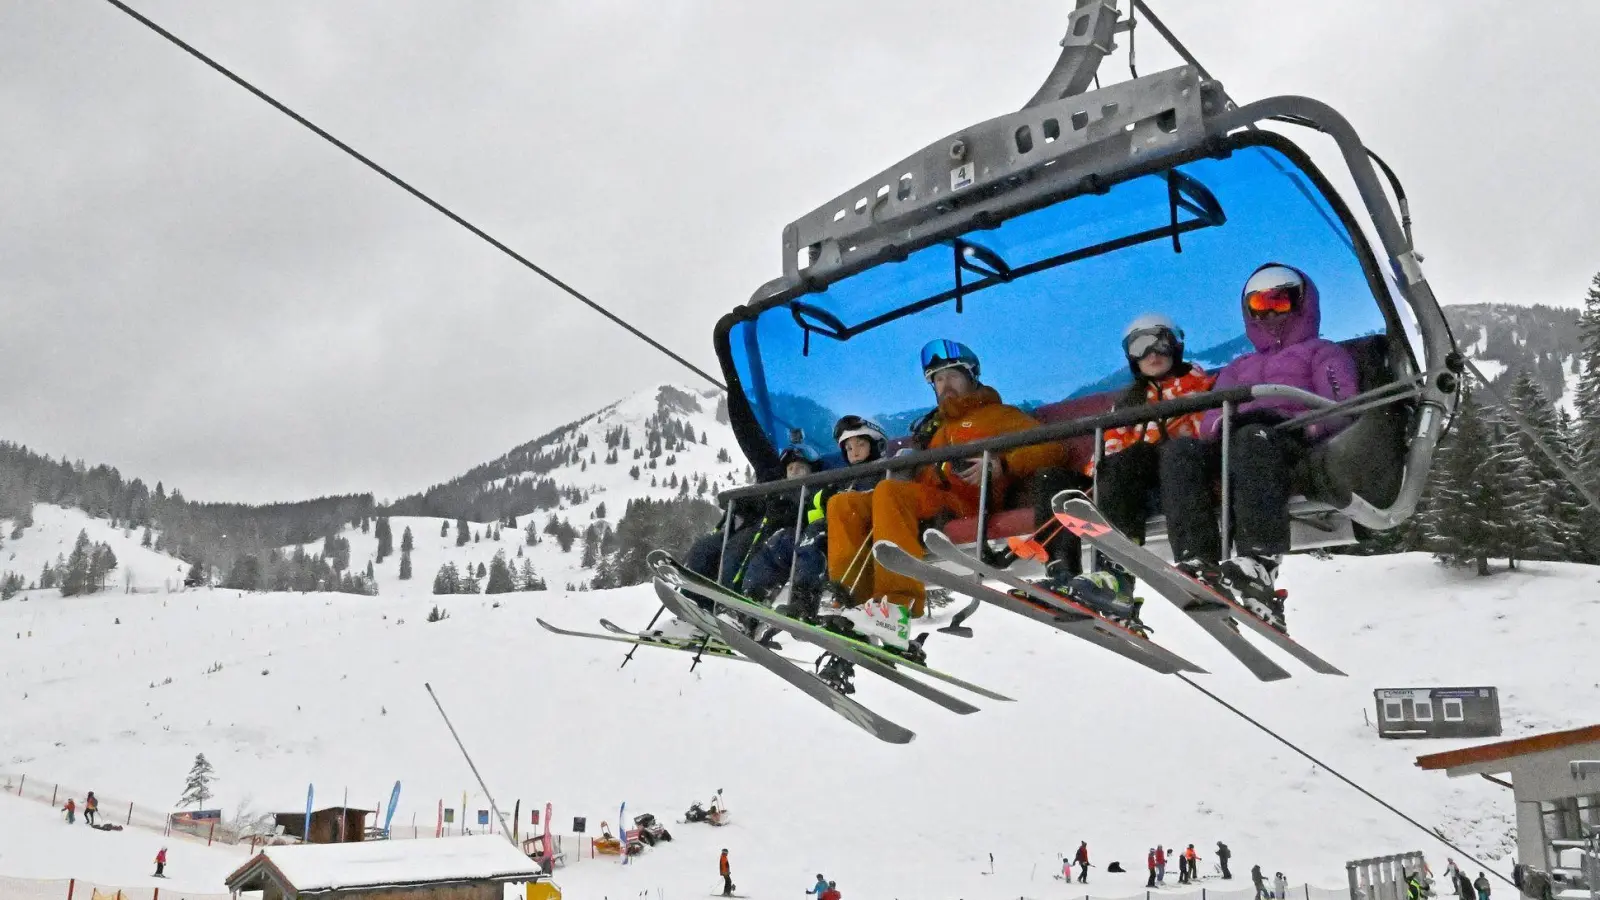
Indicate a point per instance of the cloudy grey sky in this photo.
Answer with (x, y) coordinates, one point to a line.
(197, 290)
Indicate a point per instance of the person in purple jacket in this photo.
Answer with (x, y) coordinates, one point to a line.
(1282, 319)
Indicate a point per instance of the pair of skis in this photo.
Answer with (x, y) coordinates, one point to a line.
(1207, 607)
(678, 588)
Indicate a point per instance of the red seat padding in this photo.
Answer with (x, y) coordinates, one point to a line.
(1002, 524)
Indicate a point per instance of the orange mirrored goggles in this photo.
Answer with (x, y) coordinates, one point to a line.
(1281, 299)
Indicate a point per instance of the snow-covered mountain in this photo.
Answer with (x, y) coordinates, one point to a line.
(1503, 337)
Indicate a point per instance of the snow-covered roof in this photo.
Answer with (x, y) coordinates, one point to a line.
(359, 864)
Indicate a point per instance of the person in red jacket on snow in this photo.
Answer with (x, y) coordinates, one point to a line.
(1081, 860)
(161, 862)
(832, 893)
(726, 871)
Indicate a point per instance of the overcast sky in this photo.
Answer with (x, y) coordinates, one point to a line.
(197, 290)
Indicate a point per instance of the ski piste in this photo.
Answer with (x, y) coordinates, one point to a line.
(1059, 613)
(700, 586)
(807, 683)
(1196, 599)
(715, 649)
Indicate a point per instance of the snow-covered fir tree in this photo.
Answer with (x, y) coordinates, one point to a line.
(197, 790)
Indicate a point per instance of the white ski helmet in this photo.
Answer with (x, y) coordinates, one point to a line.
(1151, 331)
(855, 426)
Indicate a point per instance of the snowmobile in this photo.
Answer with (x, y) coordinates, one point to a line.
(1160, 186)
(651, 831)
(715, 814)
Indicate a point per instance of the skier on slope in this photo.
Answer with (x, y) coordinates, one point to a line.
(1282, 316)
(967, 411)
(1280, 886)
(1191, 862)
(820, 888)
(1081, 860)
(1150, 863)
(1259, 880)
(91, 809)
(1223, 855)
(832, 893)
(161, 862)
(1134, 455)
(1161, 865)
(1481, 883)
(726, 872)
(70, 809)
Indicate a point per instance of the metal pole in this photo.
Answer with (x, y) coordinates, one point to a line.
(1087, 556)
(799, 529)
(503, 829)
(983, 509)
(727, 530)
(1227, 496)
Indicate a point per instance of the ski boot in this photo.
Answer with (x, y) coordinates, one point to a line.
(876, 621)
(1105, 591)
(803, 603)
(1252, 580)
(836, 672)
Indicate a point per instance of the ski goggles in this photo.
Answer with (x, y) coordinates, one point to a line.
(855, 426)
(942, 354)
(1140, 343)
(1281, 299)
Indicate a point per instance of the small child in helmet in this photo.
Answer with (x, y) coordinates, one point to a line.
(776, 515)
(1131, 463)
(860, 441)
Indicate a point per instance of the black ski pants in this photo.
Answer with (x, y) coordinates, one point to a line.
(1040, 488)
(727, 884)
(1261, 465)
(1152, 882)
(1224, 863)
(1175, 475)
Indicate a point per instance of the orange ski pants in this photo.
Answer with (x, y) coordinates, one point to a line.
(891, 512)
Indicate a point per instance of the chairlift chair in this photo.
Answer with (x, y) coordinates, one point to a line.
(1036, 235)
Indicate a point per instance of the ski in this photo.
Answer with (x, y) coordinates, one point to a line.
(695, 641)
(1199, 601)
(713, 649)
(665, 566)
(1057, 612)
(807, 683)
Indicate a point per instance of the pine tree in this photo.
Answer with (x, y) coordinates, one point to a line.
(405, 561)
(76, 579)
(405, 540)
(198, 788)
(463, 533)
(444, 528)
(482, 572)
(1465, 514)
(197, 575)
(385, 539)
(447, 580)
(147, 539)
(500, 579)
(1553, 508)
(1586, 431)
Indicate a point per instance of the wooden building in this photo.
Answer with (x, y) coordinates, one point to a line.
(1555, 784)
(336, 824)
(476, 867)
(1438, 712)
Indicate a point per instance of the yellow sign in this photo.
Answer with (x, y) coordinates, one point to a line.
(543, 890)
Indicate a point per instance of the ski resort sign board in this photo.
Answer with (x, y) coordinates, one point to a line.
(1438, 712)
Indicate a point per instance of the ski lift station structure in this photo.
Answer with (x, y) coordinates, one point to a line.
(1438, 712)
(1035, 236)
(1555, 781)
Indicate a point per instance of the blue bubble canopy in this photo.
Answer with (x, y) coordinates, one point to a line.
(1043, 297)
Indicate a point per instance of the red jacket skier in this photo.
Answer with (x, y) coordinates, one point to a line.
(832, 893)
(1081, 860)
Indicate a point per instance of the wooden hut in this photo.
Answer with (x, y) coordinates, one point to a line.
(476, 867)
(336, 824)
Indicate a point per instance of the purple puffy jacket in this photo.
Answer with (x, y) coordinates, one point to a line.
(1288, 351)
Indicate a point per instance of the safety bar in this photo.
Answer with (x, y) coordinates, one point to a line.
(1166, 409)
(1394, 392)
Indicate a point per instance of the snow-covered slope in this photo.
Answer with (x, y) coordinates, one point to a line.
(55, 530)
(577, 458)
(328, 689)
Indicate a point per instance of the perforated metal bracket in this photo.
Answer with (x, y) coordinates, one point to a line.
(989, 171)
(1089, 40)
